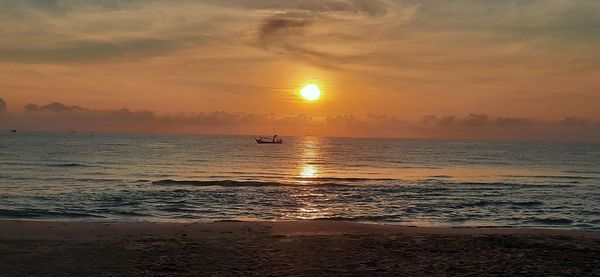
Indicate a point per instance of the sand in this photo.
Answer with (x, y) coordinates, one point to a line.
(290, 248)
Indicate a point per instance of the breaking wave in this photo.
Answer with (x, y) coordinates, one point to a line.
(38, 213)
(550, 221)
(68, 165)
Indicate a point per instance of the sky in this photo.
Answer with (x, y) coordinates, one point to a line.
(464, 69)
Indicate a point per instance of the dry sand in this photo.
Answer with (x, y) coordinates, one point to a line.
(290, 248)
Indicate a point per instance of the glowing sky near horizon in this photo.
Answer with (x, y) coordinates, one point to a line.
(534, 59)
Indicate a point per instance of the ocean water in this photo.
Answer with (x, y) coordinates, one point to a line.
(76, 176)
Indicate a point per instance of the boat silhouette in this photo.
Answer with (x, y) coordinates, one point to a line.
(268, 140)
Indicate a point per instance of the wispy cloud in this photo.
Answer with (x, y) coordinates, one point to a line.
(50, 30)
(66, 31)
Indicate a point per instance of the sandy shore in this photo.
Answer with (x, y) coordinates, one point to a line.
(290, 248)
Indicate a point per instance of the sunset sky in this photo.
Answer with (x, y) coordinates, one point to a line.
(429, 69)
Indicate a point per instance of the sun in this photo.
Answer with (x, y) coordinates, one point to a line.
(311, 92)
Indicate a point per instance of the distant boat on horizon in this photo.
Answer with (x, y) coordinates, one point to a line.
(13, 130)
(268, 140)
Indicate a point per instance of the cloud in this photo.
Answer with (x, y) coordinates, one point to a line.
(280, 26)
(365, 32)
(83, 51)
(2, 106)
(574, 121)
(365, 7)
(54, 107)
(64, 31)
(513, 122)
(58, 107)
(330, 34)
(432, 33)
(58, 116)
(477, 121)
(31, 107)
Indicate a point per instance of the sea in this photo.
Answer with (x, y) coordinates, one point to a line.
(161, 178)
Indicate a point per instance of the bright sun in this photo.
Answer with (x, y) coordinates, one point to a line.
(311, 92)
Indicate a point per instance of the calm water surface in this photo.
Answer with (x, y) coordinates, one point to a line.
(57, 176)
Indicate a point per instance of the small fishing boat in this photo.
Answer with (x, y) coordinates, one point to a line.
(268, 140)
(259, 141)
(13, 131)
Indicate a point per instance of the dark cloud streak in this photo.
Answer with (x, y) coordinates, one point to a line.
(276, 27)
(86, 51)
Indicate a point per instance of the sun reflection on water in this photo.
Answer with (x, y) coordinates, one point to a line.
(309, 157)
(310, 202)
(309, 171)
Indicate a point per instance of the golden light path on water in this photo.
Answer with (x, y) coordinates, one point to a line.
(309, 158)
(307, 198)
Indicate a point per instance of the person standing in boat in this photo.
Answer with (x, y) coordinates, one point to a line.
(274, 137)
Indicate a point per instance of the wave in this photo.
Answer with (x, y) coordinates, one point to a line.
(441, 177)
(38, 213)
(374, 183)
(332, 182)
(416, 167)
(361, 218)
(129, 214)
(550, 221)
(223, 183)
(14, 163)
(179, 210)
(68, 165)
(512, 185)
(45, 164)
(113, 144)
(553, 177)
(503, 203)
(582, 171)
(334, 179)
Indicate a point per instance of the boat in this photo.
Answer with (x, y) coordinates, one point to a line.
(13, 131)
(268, 140)
(259, 141)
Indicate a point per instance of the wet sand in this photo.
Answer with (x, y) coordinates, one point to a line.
(290, 248)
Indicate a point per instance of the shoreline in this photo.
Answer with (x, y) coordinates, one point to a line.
(31, 229)
(298, 248)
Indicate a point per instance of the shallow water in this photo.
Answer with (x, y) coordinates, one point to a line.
(63, 176)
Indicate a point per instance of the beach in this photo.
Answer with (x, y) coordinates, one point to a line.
(52, 248)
